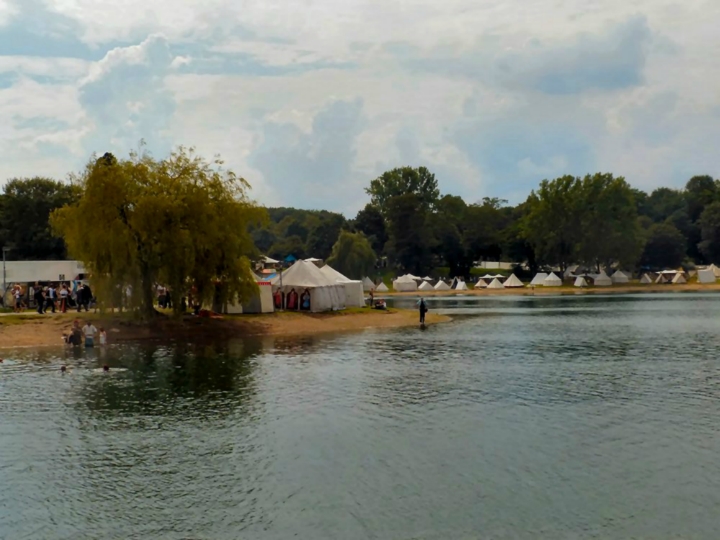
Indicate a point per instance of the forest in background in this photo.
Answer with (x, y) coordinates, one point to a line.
(596, 220)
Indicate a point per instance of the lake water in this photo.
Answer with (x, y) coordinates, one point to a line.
(537, 417)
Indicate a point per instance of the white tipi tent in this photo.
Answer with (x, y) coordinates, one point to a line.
(539, 279)
(580, 282)
(367, 284)
(512, 282)
(382, 287)
(325, 294)
(645, 279)
(679, 279)
(405, 284)
(602, 280)
(481, 284)
(665, 277)
(552, 281)
(715, 270)
(354, 294)
(495, 284)
(620, 277)
(442, 286)
(461, 286)
(706, 276)
(425, 286)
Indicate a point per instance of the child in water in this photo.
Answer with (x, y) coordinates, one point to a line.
(103, 337)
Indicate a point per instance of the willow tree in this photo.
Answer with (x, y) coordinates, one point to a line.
(181, 221)
(352, 255)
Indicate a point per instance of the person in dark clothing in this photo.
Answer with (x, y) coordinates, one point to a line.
(50, 299)
(422, 307)
(84, 295)
(39, 298)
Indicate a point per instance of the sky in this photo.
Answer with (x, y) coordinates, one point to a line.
(309, 100)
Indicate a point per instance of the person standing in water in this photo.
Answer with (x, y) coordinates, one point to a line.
(89, 332)
(422, 308)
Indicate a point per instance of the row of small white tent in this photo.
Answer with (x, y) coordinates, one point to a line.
(495, 283)
(409, 283)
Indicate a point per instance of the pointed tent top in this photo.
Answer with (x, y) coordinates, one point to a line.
(427, 278)
(333, 274)
(580, 282)
(425, 286)
(513, 281)
(305, 275)
(382, 288)
(495, 284)
(552, 280)
(442, 286)
(539, 278)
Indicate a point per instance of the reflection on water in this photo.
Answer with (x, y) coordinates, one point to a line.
(535, 417)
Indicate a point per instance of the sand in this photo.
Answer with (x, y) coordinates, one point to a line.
(32, 330)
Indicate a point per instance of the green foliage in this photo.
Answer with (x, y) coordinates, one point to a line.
(25, 209)
(323, 236)
(402, 181)
(371, 223)
(180, 221)
(409, 232)
(352, 255)
(665, 247)
(700, 191)
(710, 232)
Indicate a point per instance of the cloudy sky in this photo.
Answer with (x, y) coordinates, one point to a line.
(310, 99)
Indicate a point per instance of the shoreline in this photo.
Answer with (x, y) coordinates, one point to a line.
(29, 330)
(565, 290)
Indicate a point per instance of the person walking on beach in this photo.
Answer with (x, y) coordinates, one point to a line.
(50, 298)
(39, 298)
(422, 307)
(89, 332)
(64, 293)
(17, 294)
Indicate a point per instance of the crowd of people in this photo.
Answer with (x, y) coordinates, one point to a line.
(53, 297)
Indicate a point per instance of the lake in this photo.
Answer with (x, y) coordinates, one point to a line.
(526, 417)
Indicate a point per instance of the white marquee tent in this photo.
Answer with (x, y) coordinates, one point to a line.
(620, 277)
(552, 281)
(325, 294)
(539, 279)
(513, 282)
(706, 276)
(259, 303)
(354, 294)
(382, 288)
(425, 286)
(602, 280)
(367, 284)
(580, 282)
(495, 284)
(405, 283)
(646, 279)
(679, 279)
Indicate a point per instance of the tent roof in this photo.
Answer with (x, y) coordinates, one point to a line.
(313, 260)
(425, 286)
(442, 286)
(495, 284)
(382, 288)
(405, 279)
(333, 274)
(427, 278)
(539, 278)
(268, 260)
(290, 258)
(305, 275)
(513, 281)
(580, 282)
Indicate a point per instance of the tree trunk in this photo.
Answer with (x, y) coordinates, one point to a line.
(147, 309)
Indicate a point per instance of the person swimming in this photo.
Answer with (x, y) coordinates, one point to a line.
(106, 368)
(63, 369)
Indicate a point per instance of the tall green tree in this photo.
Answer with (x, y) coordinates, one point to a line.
(700, 191)
(402, 181)
(410, 239)
(710, 232)
(352, 255)
(322, 237)
(664, 248)
(180, 221)
(608, 222)
(371, 223)
(25, 208)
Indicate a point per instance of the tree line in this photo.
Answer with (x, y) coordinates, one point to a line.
(145, 218)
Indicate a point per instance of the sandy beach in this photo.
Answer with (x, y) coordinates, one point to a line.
(33, 330)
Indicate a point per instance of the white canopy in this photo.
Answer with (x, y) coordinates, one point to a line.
(487, 276)
(539, 279)
(645, 279)
(679, 279)
(367, 284)
(706, 276)
(513, 281)
(427, 278)
(495, 284)
(552, 281)
(405, 283)
(620, 277)
(382, 288)
(325, 294)
(425, 286)
(602, 280)
(442, 286)
(313, 260)
(580, 282)
(414, 277)
(354, 296)
(268, 260)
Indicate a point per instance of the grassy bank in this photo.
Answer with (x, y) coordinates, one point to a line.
(33, 330)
